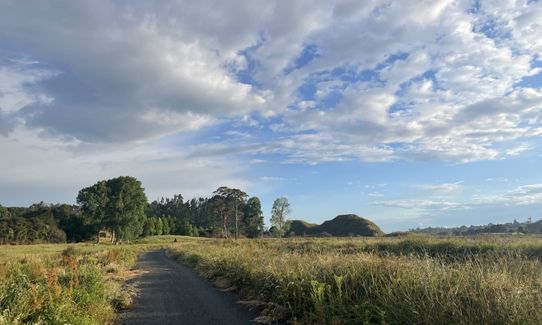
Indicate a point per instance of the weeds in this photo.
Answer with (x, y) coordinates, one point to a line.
(69, 288)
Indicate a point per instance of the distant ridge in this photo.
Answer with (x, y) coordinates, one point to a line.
(341, 225)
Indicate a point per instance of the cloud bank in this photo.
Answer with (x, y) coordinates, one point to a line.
(206, 83)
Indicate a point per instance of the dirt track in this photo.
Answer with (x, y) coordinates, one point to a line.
(171, 293)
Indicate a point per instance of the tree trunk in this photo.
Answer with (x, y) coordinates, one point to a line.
(225, 219)
(236, 224)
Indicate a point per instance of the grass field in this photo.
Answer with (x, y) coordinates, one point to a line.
(403, 280)
(412, 280)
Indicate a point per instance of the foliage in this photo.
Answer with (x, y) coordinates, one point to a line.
(279, 213)
(527, 227)
(227, 212)
(42, 223)
(117, 205)
(231, 200)
(253, 218)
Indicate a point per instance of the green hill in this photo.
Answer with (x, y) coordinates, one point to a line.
(300, 227)
(342, 225)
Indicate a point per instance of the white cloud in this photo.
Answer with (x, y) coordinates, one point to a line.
(389, 80)
(440, 188)
(421, 204)
(56, 169)
(521, 196)
(124, 62)
(271, 178)
(14, 79)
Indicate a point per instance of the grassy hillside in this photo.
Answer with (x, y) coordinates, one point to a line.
(300, 227)
(342, 225)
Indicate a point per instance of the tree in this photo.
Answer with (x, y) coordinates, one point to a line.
(117, 205)
(219, 209)
(279, 212)
(93, 201)
(253, 217)
(4, 213)
(237, 199)
(233, 198)
(148, 228)
(166, 229)
(126, 208)
(159, 226)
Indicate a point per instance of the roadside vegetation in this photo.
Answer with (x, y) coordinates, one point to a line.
(410, 280)
(76, 284)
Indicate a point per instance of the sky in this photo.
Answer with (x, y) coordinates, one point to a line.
(409, 113)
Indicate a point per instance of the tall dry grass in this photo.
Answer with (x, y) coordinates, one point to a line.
(74, 287)
(380, 281)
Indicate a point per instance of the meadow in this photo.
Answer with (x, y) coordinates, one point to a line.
(411, 279)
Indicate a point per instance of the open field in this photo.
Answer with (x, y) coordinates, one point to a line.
(402, 280)
(413, 280)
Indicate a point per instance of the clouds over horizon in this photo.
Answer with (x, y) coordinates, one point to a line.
(310, 82)
(382, 81)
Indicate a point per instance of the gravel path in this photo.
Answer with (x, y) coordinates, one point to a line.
(171, 293)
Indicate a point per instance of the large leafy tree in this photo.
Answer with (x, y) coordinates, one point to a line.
(253, 217)
(234, 199)
(280, 211)
(220, 211)
(93, 201)
(126, 207)
(117, 205)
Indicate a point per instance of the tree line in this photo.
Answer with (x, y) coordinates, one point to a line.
(119, 207)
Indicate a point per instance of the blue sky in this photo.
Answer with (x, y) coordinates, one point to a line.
(410, 113)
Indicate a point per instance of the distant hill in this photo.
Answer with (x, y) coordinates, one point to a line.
(300, 227)
(342, 225)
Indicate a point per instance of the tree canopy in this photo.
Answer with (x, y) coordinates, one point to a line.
(117, 205)
(279, 212)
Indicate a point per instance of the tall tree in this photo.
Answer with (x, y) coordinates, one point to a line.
(148, 228)
(159, 226)
(279, 212)
(220, 210)
(126, 207)
(253, 217)
(117, 205)
(237, 199)
(93, 201)
(234, 198)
